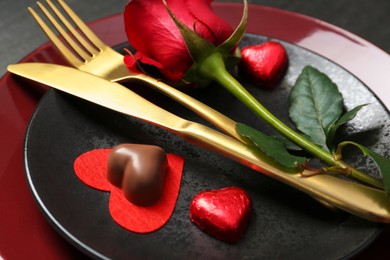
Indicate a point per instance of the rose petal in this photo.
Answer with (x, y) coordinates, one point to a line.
(219, 30)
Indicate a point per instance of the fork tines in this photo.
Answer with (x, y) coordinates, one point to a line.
(80, 45)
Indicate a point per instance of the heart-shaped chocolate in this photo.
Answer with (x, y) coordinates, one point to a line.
(139, 170)
(224, 214)
(264, 64)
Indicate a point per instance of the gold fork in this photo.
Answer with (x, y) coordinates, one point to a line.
(86, 52)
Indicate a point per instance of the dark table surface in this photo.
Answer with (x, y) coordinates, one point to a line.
(367, 19)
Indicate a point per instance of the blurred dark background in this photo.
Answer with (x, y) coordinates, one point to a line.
(367, 19)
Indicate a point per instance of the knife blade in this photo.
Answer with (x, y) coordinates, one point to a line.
(357, 199)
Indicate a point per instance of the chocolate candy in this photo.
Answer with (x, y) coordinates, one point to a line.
(139, 170)
(264, 64)
(224, 214)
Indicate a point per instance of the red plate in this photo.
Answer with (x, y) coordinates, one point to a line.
(24, 232)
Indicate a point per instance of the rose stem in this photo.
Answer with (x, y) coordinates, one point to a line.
(213, 68)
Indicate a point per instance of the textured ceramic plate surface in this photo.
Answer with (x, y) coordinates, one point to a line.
(286, 223)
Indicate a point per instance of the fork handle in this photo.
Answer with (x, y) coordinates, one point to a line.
(222, 122)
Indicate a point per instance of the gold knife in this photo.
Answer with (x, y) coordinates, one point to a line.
(357, 199)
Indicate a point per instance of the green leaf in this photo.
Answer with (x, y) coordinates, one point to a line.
(272, 147)
(342, 120)
(315, 104)
(382, 162)
(238, 33)
(197, 46)
(287, 143)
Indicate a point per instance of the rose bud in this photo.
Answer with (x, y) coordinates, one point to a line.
(152, 32)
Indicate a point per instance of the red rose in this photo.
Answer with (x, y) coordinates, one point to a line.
(152, 32)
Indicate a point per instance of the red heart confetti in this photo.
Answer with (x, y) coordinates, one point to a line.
(224, 214)
(264, 64)
(91, 169)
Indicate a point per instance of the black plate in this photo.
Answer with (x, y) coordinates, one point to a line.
(286, 222)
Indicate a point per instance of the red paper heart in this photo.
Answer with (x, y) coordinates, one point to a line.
(264, 64)
(91, 168)
(223, 214)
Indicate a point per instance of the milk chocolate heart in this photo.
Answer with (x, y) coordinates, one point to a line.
(264, 64)
(139, 170)
(224, 214)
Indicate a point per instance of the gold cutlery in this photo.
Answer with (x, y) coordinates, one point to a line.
(357, 199)
(88, 53)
